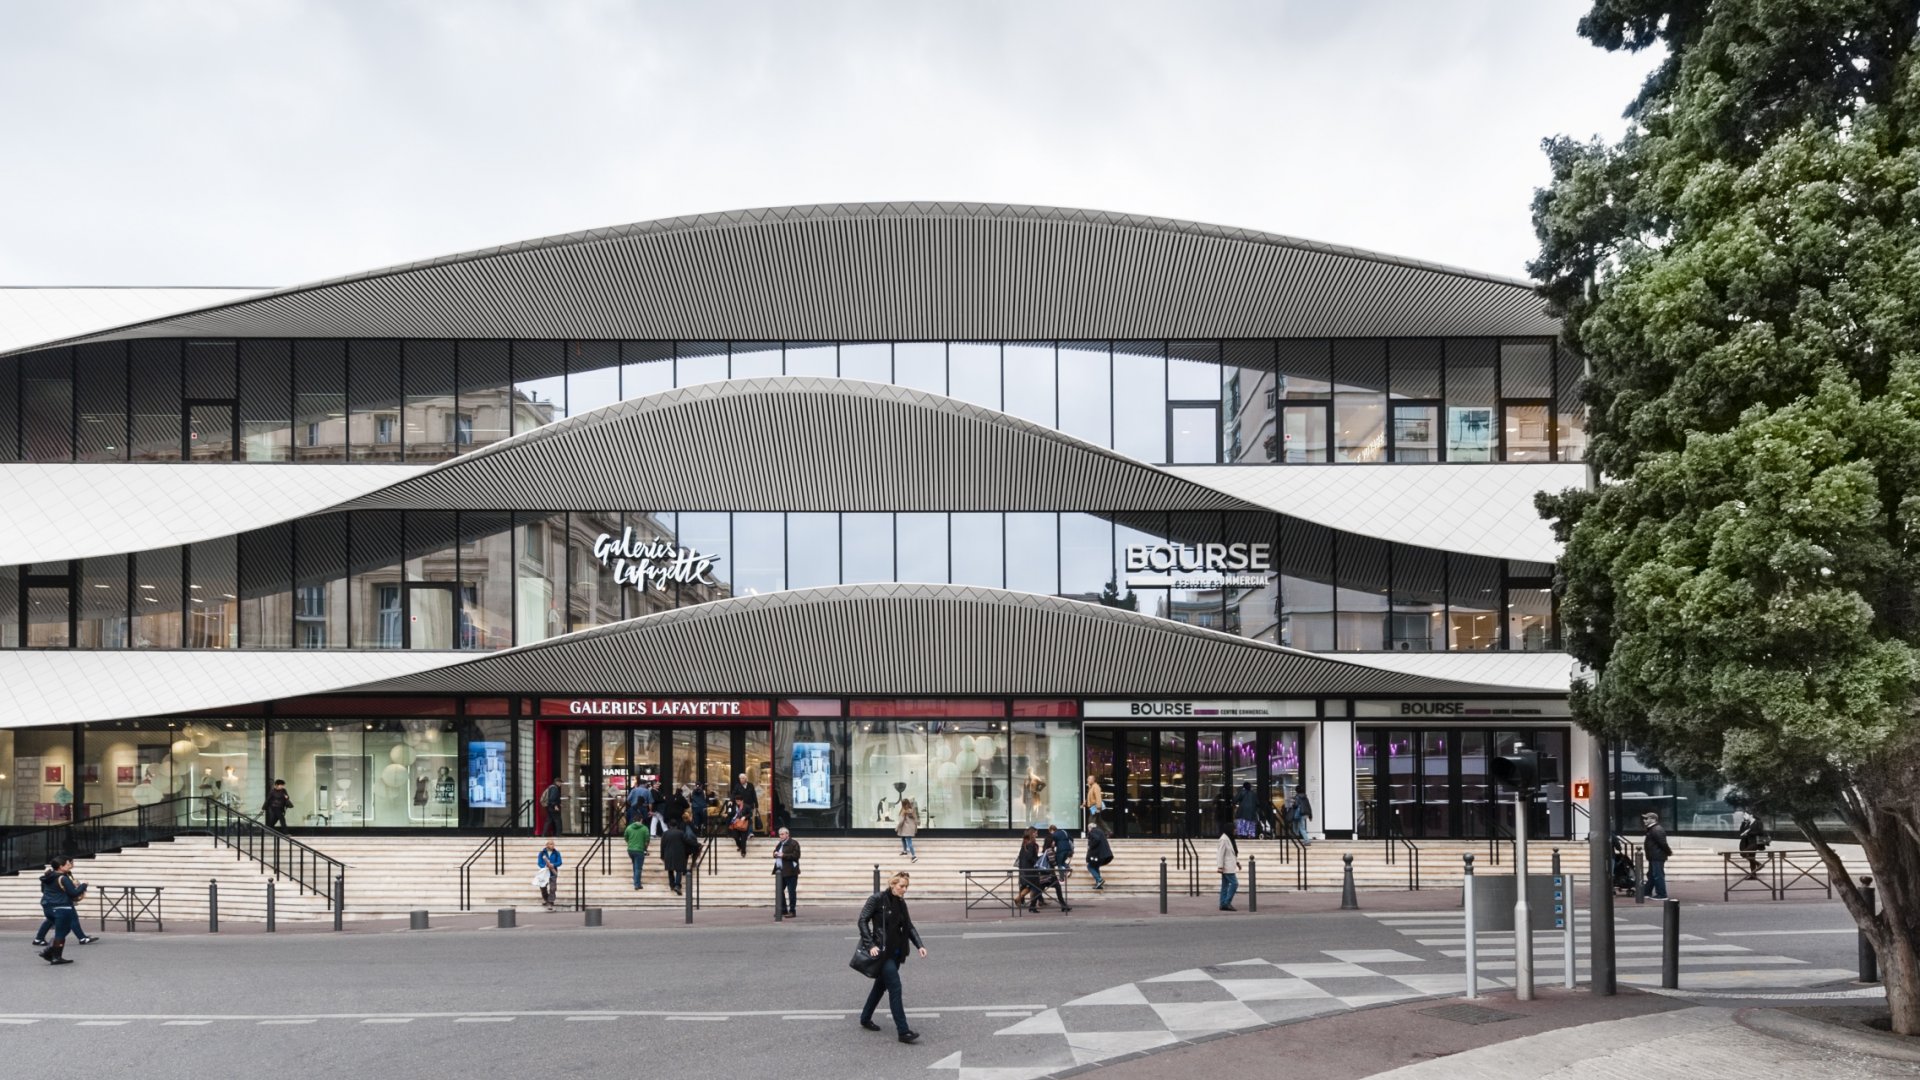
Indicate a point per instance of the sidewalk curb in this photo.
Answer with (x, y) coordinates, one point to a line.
(1789, 1027)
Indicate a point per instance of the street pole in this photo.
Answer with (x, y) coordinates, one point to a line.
(1522, 914)
(1599, 870)
(1473, 933)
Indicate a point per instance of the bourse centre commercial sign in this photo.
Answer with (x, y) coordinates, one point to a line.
(641, 562)
(1198, 566)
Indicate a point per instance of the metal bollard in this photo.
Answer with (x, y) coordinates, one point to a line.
(876, 877)
(505, 917)
(339, 899)
(270, 912)
(686, 891)
(417, 919)
(213, 906)
(1869, 960)
(593, 916)
(1473, 934)
(1563, 901)
(1670, 945)
(1253, 884)
(1640, 875)
(778, 899)
(1349, 900)
(1163, 884)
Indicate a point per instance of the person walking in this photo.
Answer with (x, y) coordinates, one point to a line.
(277, 804)
(786, 863)
(699, 802)
(549, 864)
(1027, 863)
(1226, 859)
(1753, 840)
(886, 928)
(59, 901)
(745, 793)
(1658, 852)
(1299, 812)
(740, 824)
(1246, 812)
(679, 807)
(673, 855)
(1099, 853)
(550, 802)
(638, 837)
(1061, 857)
(1222, 812)
(909, 825)
(1096, 803)
(637, 803)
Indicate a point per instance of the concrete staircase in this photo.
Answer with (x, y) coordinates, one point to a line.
(391, 875)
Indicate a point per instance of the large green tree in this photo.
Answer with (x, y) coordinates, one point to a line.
(1742, 270)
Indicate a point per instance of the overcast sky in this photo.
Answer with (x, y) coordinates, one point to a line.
(271, 142)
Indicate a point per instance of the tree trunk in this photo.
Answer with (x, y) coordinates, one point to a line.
(1900, 971)
(1893, 853)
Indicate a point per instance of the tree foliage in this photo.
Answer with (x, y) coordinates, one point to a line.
(1742, 270)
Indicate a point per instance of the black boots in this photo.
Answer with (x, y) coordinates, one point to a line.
(51, 954)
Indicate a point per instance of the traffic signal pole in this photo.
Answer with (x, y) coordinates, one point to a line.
(1522, 913)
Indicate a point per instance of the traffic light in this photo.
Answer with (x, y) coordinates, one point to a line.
(1519, 770)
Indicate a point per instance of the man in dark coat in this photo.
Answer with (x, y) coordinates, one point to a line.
(278, 803)
(1099, 853)
(1658, 852)
(786, 863)
(673, 855)
(550, 802)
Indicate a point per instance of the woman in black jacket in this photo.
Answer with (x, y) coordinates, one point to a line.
(59, 896)
(885, 929)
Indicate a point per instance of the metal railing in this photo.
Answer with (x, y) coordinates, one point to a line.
(1187, 857)
(1293, 851)
(1398, 845)
(1497, 834)
(601, 848)
(310, 869)
(96, 835)
(496, 844)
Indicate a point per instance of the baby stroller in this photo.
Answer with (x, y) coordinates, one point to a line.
(1622, 875)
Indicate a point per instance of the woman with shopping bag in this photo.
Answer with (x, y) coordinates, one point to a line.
(547, 877)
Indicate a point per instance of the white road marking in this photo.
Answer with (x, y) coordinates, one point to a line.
(388, 1020)
(101, 1023)
(183, 1023)
(1780, 933)
(483, 1019)
(589, 1019)
(11, 1020)
(306, 1021)
(700, 1018)
(838, 1017)
(611, 1014)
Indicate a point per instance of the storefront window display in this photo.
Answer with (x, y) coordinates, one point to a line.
(142, 763)
(1046, 772)
(38, 784)
(383, 774)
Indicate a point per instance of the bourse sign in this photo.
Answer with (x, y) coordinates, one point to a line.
(1198, 566)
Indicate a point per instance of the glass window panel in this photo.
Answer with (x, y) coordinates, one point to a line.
(1306, 587)
(959, 797)
(1211, 777)
(871, 361)
(208, 369)
(1028, 371)
(1193, 371)
(102, 614)
(210, 431)
(867, 541)
(755, 359)
(319, 400)
(973, 372)
(813, 358)
(1136, 530)
(266, 583)
(1086, 391)
(431, 420)
(1306, 368)
(1253, 611)
(759, 554)
(1361, 421)
(9, 617)
(1419, 600)
(321, 575)
(1530, 619)
(1362, 597)
(486, 392)
(593, 375)
(414, 766)
(1086, 558)
(1033, 553)
(46, 387)
(977, 548)
(539, 384)
(810, 783)
(1570, 416)
(49, 610)
(266, 400)
(1204, 607)
(890, 765)
(1195, 434)
(646, 367)
(1416, 433)
(1526, 369)
(153, 375)
(707, 534)
(1359, 366)
(432, 551)
(699, 362)
(813, 550)
(1307, 434)
(539, 576)
(9, 421)
(1172, 813)
(1470, 399)
(593, 599)
(1046, 766)
(100, 401)
(1525, 437)
(486, 580)
(922, 542)
(921, 365)
(374, 430)
(1414, 366)
(375, 561)
(156, 599)
(1473, 602)
(1249, 408)
(213, 595)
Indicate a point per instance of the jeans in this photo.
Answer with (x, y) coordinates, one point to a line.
(1094, 869)
(673, 879)
(639, 860)
(1656, 883)
(888, 983)
(906, 845)
(1229, 887)
(789, 887)
(62, 921)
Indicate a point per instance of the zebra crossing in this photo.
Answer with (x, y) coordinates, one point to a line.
(1704, 965)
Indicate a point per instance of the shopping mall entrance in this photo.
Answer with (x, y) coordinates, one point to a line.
(1164, 781)
(599, 764)
(1433, 783)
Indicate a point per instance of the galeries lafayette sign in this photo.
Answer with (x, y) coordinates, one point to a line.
(640, 562)
(657, 707)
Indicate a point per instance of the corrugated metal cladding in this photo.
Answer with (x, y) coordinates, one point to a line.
(903, 271)
(908, 639)
(794, 443)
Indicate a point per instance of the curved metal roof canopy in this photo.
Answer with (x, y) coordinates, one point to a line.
(880, 271)
(908, 640)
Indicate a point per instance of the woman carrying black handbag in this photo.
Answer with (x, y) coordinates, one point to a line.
(885, 929)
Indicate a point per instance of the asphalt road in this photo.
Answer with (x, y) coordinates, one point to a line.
(741, 1000)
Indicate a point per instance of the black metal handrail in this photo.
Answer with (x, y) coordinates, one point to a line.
(601, 848)
(1293, 850)
(1397, 842)
(496, 843)
(309, 868)
(1496, 833)
(96, 835)
(1187, 857)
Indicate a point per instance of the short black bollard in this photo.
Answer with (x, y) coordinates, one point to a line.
(213, 906)
(416, 919)
(686, 890)
(1869, 960)
(1349, 900)
(1163, 885)
(270, 912)
(1639, 875)
(339, 900)
(1253, 883)
(593, 916)
(505, 917)
(778, 900)
(876, 877)
(1670, 945)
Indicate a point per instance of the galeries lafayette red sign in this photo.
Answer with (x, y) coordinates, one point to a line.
(682, 708)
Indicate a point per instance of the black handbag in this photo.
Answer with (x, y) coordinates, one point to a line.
(866, 964)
